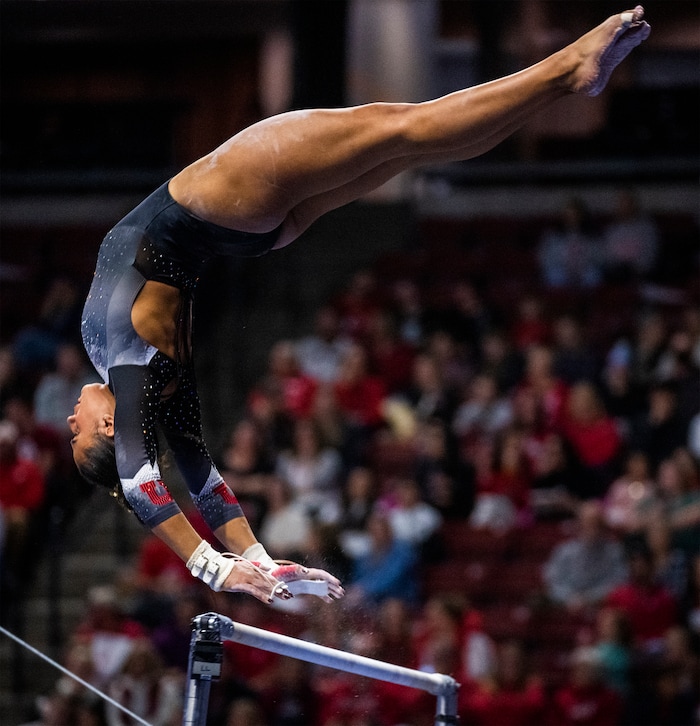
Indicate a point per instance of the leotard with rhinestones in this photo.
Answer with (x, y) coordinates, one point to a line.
(159, 240)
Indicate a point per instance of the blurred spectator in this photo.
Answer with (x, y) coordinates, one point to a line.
(694, 436)
(513, 695)
(412, 519)
(530, 326)
(38, 442)
(630, 241)
(246, 467)
(395, 626)
(359, 396)
(594, 438)
(246, 711)
(613, 647)
(22, 492)
(680, 496)
(585, 699)
(289, 699)
(359, 393)
(498, 358)
(107, 631)
(439, 625)
(328, 418)
(145, 688)
(503, 491)
(320, 353)
(297, 389)
(357, 304)
(428, 395)
(35, 346)
(623, 397)
(570, 254)
(648, 605)
(691, 325)
(466, 317)
(556, 480)
(58, 391)
(13, 380)
(582, 571)
(445, 479)
(664, 697)
(453, 362)
(660, 430)
(56, 709)
(409, 311)
(359, 498)
(286, 526)
(631, 498)
(313, 472)
(172, 638)
(678, 653)
(265, 410)
(549, 391)
(647, 347)
(574, 359)
(529, 418)
(387, 570)
(323, 549)
(482, 412)
(670, 563)
(390, 357)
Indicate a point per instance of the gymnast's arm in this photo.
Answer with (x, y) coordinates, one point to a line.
(181, 422)
(137, 391)
(180, 419)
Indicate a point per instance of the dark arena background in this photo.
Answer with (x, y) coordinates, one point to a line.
(473, 395)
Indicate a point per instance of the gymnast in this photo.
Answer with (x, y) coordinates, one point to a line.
(255, 193)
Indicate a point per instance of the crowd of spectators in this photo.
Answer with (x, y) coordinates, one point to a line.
(399, 413)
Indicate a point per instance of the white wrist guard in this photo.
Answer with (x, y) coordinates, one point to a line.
(210, 566)
(257, 553)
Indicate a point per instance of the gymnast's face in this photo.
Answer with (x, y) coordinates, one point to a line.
(93, 414)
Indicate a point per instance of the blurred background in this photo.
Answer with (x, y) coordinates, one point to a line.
(575, 242)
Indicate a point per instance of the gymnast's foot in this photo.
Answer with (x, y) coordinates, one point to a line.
(602, 49)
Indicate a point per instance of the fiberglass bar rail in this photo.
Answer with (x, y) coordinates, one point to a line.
(206, 654)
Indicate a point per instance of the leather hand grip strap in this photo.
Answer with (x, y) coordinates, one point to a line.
(210, 566)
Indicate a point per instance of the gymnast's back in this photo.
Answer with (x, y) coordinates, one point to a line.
(160, 241)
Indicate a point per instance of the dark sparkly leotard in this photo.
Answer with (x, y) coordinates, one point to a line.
(159, 240)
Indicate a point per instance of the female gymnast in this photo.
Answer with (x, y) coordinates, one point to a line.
(258, 192)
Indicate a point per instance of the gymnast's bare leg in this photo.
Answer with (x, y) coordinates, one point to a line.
(290, 169)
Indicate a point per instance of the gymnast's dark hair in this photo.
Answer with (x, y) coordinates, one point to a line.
(99, 468)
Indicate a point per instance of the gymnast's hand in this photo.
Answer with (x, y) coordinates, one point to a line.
(308, 580)
(251, 579)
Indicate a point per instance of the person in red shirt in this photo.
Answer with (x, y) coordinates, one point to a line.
(549, 391)
(390, 356)
(284, 373)
(649, 606)
(531, 327)
(358, 304)
(593, 436)
(585, 700)
(22, 491)
(359, 394)
(514, 696)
